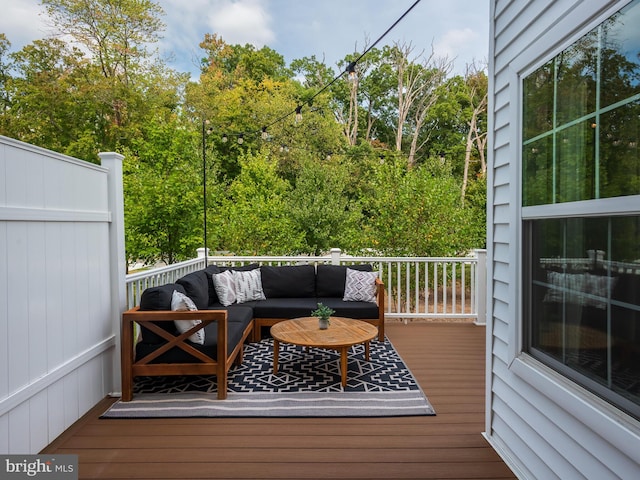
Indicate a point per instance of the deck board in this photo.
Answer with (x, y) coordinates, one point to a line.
(447, 359)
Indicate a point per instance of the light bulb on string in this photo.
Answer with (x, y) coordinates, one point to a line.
(241, 139)
(351, 71)
(298, 113)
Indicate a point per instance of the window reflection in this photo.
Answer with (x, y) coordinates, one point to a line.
(538, 101)
(620, 56)
(591, 91)
(576, 80)
(585, 299)
(619, 152)
(575, 162)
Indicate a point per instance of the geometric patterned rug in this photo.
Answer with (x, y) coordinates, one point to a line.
(308, 384)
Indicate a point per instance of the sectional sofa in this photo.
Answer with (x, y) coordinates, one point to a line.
(181, 323)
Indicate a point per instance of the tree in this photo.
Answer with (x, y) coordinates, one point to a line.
(115, 32)
(416, 93)
(254, 217)
(477, 96)
(320, 207)
(163, 194)
(414, 212)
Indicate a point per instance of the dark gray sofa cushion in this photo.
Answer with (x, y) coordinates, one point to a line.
(283, 307)
(330, 279)
(196, 286)
(289, 281)
(158, 298)
(350, 309)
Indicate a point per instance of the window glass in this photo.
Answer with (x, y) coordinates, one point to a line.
(538, 176)
(538, 102)
(575, 162)
(576, 80)
(619, 152)
(585, 302)
(619, 56)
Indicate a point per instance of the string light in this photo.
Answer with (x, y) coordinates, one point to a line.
(350, 70)
(224, 138)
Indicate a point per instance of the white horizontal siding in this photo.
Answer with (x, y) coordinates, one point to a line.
(57, 329)
(543, 427)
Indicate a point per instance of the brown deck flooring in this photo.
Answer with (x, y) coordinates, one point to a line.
(448, 362)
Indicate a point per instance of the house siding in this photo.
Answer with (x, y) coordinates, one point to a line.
(543, 425)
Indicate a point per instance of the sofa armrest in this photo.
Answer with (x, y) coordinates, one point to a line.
(148, 319)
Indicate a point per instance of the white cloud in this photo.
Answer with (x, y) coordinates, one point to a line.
(241, 22)
(22, 23)
(458, 40)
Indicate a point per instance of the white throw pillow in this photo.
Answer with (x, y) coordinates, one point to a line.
(248, 285)
(360, 286)
(181, 303)
(225, 286)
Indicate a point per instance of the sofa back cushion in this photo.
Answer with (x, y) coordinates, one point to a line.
(289, 281)
(158, 298)
(330, 279)
(196, 286)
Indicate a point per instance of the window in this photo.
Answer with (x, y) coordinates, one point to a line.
(581, 211)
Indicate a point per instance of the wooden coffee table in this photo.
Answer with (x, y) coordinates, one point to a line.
(342, 334)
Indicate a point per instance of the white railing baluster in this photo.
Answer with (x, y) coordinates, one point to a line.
(454, 288)
(435, 287)
(404, 293)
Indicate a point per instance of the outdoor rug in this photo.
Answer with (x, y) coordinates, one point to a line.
(307, 385)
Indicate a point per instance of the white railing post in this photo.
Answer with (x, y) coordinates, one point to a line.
(481, 287)
(202, 252)
(336, 254)
(118, 262)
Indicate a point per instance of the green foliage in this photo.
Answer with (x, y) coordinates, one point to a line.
(163, 200)
(254, 217)
(320, 208)
(415, 213)
(335, 179)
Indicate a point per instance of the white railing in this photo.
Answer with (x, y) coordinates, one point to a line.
(417, 287)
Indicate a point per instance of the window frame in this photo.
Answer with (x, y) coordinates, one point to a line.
(562, 389)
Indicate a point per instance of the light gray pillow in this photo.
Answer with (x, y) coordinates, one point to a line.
(225, 286)
(360, 286)
(181, 303)
(248, 285)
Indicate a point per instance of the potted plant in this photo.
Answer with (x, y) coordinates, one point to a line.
(323, 313)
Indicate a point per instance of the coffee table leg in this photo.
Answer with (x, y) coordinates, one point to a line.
(276, 351)
(343, 366)
(366, 351)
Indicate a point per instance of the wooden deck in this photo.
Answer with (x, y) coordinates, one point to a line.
(448, 362)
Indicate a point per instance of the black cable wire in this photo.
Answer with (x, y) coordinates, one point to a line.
(351, 65)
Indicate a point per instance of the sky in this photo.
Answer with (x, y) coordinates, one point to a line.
(328, 29)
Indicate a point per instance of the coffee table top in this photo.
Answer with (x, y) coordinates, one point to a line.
(343, 332)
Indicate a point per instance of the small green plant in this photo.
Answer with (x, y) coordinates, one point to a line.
(323, 312)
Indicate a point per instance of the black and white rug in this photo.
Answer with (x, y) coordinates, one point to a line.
(308, 384)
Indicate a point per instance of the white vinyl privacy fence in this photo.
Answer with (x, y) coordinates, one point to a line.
(62, 272)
